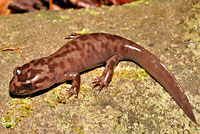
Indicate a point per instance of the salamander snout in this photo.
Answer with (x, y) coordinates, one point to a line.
(30, 78)
(21, 88)
(23, 80)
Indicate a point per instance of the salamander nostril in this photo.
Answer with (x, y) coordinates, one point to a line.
(27, 85)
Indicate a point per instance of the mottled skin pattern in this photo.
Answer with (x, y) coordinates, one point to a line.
(89, 51)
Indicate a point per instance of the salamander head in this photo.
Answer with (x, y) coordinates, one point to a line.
(31, 77)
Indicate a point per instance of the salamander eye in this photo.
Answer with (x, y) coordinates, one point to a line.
(17, 71)
(27, 85)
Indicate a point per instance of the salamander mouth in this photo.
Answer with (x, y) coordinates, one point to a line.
(20, 91)
(24, 93)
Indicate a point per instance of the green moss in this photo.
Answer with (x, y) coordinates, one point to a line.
(53, 16)
(78, 131)
(64, 17)
(83, 31)
(92, 12)
(121, 72)
(46, 17)
(124, 29)
(12, 101)
(53, 96)
(135, 3)
(196, 7)
(124, 72)
(141, 73)
(170, 67)
(111, 8)
(130, 73)
(25, 101)
(8, 121)
(58, 94)
(18, 108)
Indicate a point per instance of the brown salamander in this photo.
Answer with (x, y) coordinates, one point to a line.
(88, 51)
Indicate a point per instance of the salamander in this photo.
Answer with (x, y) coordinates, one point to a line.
(89, 51)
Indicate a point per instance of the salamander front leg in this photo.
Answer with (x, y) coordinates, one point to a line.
(106, 77)
(75, 85)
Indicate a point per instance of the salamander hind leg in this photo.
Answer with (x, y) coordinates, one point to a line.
(106, 77)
